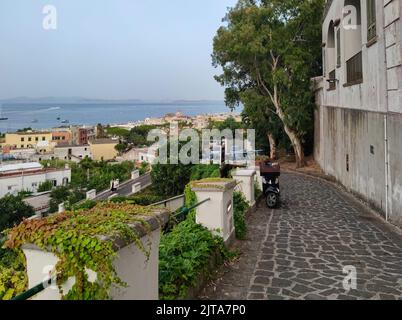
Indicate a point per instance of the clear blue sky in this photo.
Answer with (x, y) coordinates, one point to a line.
(110, 49)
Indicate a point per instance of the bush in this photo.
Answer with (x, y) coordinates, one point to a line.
(257, 191)
(45, 186)
(184, 254)
(202, 171)
(13, 210)
(13, 279)
(240, 207)
(141, 199)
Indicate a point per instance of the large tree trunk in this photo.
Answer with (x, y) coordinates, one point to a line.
(272, 146)
(297, 147)
(292, 134)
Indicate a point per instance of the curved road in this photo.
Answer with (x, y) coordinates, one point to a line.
(125, 188)
(300, 250)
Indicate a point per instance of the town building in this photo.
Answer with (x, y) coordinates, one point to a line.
(82, 135)
(27, 139)
(72, 152)
(18, 177)
(61, 136)
(103, 149)
(359, 116)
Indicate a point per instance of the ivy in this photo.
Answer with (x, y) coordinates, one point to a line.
(240, 207)
(77, 239)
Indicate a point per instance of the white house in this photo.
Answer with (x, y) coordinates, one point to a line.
(358, 122)
(28, 176)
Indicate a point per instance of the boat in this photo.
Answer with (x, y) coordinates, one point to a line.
(35, 121)
(58, 118)
(3, 118)
(65, 121)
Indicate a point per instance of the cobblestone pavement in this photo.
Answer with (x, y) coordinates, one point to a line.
(299, 250)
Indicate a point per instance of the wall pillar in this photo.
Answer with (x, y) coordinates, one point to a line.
(141, 274)
(246, 179)
(217, 213)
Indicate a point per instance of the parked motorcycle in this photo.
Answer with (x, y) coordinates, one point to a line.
(270, 172)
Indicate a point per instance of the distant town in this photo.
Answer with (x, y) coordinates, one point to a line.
(23, 152)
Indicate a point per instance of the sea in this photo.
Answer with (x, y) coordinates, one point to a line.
(50, 115)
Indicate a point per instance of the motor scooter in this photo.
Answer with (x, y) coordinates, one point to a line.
(270, 172)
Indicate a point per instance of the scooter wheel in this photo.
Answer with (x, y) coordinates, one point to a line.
(272, 200)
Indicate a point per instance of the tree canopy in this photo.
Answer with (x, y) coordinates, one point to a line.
(272, 48)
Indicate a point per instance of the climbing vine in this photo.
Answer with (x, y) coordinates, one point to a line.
(77, 238)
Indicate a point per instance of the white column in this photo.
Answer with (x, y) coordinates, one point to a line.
(136, 187)
(135, 174)
(257, 177)
(62, 208)
(91, 194)
(217, 213)
(245, 178)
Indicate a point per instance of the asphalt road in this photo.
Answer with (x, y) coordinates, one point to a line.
(126, 187)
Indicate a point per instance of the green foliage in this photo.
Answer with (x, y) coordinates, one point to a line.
(45, 186)
(64, 194)
(169, 180)
(240, 207)
(73, 236)
(257, 191)
(86, 205)
(13, 210)
(202, 171)
(140, 199)
(120, 147)
(269, 51)
(184, 255)
(116, 131)
(229, 123)
(138, 135)
(90, 174)
(13, 279)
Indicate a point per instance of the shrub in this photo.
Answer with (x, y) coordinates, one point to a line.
(184, 254)
(240, 206)
(45, 186)
(257, 191)
(141, 199)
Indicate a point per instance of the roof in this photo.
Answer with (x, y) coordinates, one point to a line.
(104, 141)
(31, 133)
(20, 166)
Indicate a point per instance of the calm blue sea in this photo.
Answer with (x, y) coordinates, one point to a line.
(45, 116)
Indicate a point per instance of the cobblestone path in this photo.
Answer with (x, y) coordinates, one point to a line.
(299, 250)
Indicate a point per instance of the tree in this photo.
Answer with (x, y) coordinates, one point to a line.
(100, 131)
(13, 210)
(274, 48)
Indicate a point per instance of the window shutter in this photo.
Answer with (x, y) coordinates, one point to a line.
(371, 20)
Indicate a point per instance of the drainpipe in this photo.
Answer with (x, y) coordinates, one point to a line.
(386, 158)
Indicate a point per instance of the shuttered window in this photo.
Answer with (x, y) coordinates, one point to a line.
(354, 69)
(332, 82)
(371, 20)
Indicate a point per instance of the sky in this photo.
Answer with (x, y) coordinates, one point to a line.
(110, 49)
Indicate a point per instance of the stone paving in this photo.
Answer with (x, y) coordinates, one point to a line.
(299, 250)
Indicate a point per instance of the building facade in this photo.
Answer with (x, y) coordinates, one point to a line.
(29, 176)
(358, 121)
(27, 139)
(72, 152)
(103, 149)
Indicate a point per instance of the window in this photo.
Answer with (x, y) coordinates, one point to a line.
(36, 139)
(22, 139)
(43, 138)
(29, 138)
(354, 67)
(338, 47)
(22, 146)
(332, 80)
(371, 20)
